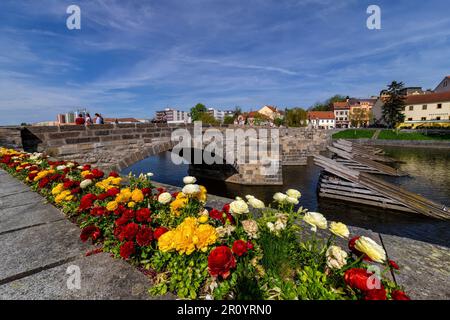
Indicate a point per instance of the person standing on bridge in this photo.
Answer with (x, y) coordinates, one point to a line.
(88, 120)
(99, 119)
(79, 120)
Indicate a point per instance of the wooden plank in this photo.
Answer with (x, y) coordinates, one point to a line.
(358, 195)
(367, 202)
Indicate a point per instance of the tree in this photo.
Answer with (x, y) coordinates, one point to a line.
(197, 111)
(237, 111)
(206, 118)
(228, 120)
(394, 105)
(296, 117)
(358, 117)
(327, 105)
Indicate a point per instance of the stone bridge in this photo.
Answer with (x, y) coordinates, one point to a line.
(117, 146)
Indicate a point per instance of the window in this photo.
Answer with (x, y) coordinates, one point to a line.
(424, 107)
(404, 108)
(439, 106)
(411, 108)
(438, 118)
(424, 118)
(409, 119)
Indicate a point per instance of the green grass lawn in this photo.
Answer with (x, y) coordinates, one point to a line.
(354, 134)
(392, 135)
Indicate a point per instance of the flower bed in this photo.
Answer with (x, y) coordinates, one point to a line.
(244, 250)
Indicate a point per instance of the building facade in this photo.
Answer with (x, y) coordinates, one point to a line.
(341, 112)
(322, 119)
(170, 115)
(271, 112)
(433, 107)
(217, 114)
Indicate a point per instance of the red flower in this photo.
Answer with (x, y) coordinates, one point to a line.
(144, 236)
(127, 249)
(86, 167)
(95, 251)
(87, 201)
(159, 232)
(217, 215)
(226, 208)
(75, 190)
(221, 261)
(143, 215)
(98, 174)
(102, 196)
(239, 247)
(175, 194)
(43, 182)
(250, 245)
(375, 294)
(399, 295)
(146, 191)
(98, 211)
(90, 177)
(90, 232)
(129, 232)
(113, 192)
(357, 278)
(31, 176)
(113, 174)
(161, 190)
(394, 265)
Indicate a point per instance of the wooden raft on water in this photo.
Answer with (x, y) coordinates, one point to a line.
(344, 183)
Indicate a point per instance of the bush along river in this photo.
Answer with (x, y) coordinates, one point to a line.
(429, 176)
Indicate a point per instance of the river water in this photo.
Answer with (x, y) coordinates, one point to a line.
(429, 176)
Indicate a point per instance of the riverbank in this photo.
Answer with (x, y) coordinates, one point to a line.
(445, 144)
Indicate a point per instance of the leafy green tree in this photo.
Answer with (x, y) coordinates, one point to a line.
(228, 120)
(394, 105)
(327, 105)
(278, 121)
(296, 117)
(358, 117)
(197, 111)
(206, 118)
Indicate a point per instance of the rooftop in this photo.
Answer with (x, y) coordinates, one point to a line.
(320, 115)
(428, 98)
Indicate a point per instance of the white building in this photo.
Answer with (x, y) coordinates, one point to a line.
(217, 114)
(322, 119)
(170, 115)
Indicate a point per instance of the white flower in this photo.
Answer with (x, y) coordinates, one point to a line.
(70, 164)
(336, 257)
(149, 174)
(191, 189)
(164, 198)
(282, 217)
(209, 297)
(271, 226)
(249, 196)
(85, 183)
(256, 203)
(280, 197)
(225, 231)
(189, 180)
(315, 219)
(339, 229)
(239, 207)
(80, 167)
(238, 198)
(291, 200)
(372, 249)
(279, 225)
(251, 228)
(294, 193)
(62, 167)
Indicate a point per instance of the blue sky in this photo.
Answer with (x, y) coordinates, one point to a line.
(131, 58)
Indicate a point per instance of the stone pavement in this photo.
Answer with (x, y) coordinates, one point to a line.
(38, 244)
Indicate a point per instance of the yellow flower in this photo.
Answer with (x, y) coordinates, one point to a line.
(137, 195)
(58, 189)
(203, 218)
(187, 237)
(62, 196)
(201, 196)
(41, 175)
(85, 173)
(177, 205)
(131, 204)
(124, 195)
(339, 229)
(116, 181)
(112, 205)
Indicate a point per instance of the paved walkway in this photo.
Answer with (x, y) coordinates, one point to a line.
(38, 244)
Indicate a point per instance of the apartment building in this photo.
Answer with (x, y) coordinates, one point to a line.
(170, 115)
(432, 107)
(322, 119)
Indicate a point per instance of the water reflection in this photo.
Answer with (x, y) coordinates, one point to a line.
(429, 176)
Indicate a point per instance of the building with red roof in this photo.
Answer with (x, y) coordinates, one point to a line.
(322, 119)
